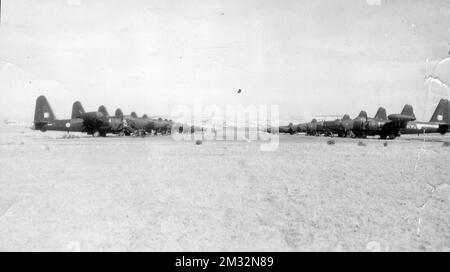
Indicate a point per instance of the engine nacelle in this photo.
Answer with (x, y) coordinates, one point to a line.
(359, 124)
(401, 118)
(374, 125)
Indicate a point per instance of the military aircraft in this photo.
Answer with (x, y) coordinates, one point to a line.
(287, 129)
(355, 127)
(363, 126)
(144, 124)
(97, 123)
(313, 128)
(374, 126)
(439, 122)
(342, 127)
(387, 127)
(45, 119)
(106, 123)
(333, 127)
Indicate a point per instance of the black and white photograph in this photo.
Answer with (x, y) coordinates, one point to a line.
(225, 126)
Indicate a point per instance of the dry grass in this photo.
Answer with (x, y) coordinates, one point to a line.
(157, 194)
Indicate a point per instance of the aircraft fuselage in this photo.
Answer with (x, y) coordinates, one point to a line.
(69, 125)
(415, 127)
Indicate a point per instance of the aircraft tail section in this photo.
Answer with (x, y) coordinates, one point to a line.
(363, 114)
(77, 110)
(118, 113)
(442, 112)
(103, 110)
(408, 111)
(381, 114)
(43, 113)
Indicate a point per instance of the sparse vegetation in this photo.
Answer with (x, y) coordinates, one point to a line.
(331, 142)
(446, 143)
(198, 142)
(361, 143)
(70, 136)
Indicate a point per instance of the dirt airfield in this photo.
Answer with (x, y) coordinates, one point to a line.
(157, 194)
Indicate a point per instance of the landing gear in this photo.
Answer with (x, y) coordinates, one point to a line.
(386, 136)
(97, 133)
(349, 133)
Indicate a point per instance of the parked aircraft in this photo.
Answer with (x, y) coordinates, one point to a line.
(144, 124)
(287, 129)
(97, 123)
(439, 122)
(45, 119)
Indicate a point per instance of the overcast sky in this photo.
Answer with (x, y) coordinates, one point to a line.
(308, 57)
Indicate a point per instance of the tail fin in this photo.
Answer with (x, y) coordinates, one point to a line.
(442, 112)
(43, 113)
(145, 116)
(408, 110)
(381, 114)
(363, 114)
(118, 113)
(346, 117)
(77, 110)
(103, 110)
(133, 114)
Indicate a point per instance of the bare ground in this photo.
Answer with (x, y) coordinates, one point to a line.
(154, 193)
